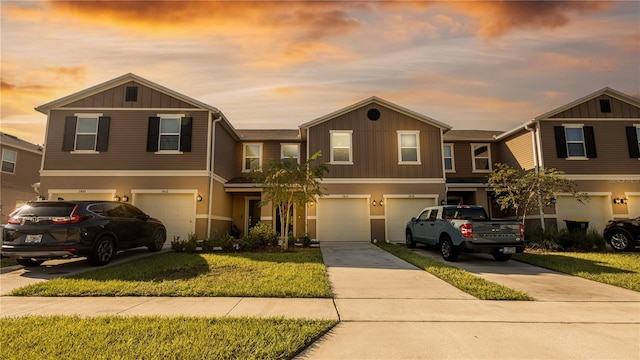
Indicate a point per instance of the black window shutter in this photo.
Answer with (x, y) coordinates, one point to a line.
(632, 141)
(590, 142)
(561, 141)
(69, 139)
(153, 132)
(103, 133)
(185, 134)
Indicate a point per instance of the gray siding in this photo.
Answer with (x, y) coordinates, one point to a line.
(375, 145)
(225, 153)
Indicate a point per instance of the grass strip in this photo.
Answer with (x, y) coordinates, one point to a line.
(299, 274)
(73, 337)
(7, 262)
(462, 279)
(617, 269)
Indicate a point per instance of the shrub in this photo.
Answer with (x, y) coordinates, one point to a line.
(305, 240)
(188, 245)
(263, 234)
(292, 240)
(226, 242)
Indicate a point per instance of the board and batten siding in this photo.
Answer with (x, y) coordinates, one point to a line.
(127, 144)
(591, 109)
(115, 98)
(375, 145)
(611, 147)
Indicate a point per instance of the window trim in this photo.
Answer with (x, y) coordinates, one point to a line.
(474, 157)
(282, 155)
(179, 117)
(334, 162)
(567, 142)
(3, 160)
(400, 133)
(453, 161)
(244, 156)
(95, 116)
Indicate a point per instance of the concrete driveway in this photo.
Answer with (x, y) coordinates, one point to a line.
(392, 310)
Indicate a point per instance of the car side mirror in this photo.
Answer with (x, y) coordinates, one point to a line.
(413, 219)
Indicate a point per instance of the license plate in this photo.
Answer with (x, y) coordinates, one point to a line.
(509, 250)
(33, 239)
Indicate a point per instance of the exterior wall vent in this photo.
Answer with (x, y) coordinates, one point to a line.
(373, 114)
(605, 106)
(131, 94)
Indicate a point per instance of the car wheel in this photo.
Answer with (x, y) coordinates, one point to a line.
(103, 251)
(409, 241)
(448, 251)
(29, 262)
(157, 240)
(501, 257)
(621, 241)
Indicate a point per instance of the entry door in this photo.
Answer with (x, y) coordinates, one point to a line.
(254, 214)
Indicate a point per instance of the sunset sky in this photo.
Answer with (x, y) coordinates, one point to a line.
(473, 65)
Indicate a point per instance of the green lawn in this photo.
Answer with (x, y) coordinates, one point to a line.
(115, 337)
(618, 269)
(7, 262)
(299, 274)
(462, 279)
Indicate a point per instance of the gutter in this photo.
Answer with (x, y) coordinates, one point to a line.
(213, 162)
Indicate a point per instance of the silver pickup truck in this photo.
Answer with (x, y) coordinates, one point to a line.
(465, 228)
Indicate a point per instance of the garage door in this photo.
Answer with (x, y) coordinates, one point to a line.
(633, 205)
(343, 219)
(82, 196)
(176, 211)
(597, 211)
(400, 211)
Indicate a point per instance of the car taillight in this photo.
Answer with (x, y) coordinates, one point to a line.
(466, 230)
(71, 219)
(12, 220)
(522, 231)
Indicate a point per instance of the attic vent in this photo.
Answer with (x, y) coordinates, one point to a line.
(373, 114)
(132, 93)
(605, 106)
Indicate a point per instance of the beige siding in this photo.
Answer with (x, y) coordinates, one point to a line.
(115, 98)
(517, 151)
(127, 144)
(375, 145)
(16, 187)
(591, 109)
(611, 145)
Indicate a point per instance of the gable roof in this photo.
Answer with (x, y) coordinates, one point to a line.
(471, 135)
(125, 79)
(379, 101)
(16, 142)
(269, 134)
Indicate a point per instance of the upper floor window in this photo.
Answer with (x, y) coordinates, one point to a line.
(408, 147)
(481, 157)
(633, 141)
(449, 164)
(341, 149)
(575, 141)
(290, 153)
(9, 158)
(86, 133)
(251, 157)
(169, 134)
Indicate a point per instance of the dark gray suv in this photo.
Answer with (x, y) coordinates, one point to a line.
(43, 230)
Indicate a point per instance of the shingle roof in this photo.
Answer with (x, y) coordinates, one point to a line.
(14, 141)
(471, 135)
(268, 134)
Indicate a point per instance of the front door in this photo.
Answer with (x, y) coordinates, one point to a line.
(254, 214)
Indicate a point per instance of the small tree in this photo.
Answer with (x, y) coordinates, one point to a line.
(287, 184)
(525, 191)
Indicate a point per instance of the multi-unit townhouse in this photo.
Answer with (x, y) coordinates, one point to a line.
(182, 161)
(20, 179)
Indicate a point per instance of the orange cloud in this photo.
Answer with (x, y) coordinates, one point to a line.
(555, 61)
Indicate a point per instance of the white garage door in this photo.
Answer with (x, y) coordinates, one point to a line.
(400, 211)
(82, 196)
(633, 205)
(343, 219)
(597, 211)
(176, 211)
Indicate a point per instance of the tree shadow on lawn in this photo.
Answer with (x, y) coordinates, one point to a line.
(569, 264)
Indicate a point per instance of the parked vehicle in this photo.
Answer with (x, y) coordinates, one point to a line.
(623, 235)
(465, 228)
(43, 230)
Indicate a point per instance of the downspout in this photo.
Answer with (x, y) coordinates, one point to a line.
(536, 166)
(212, 164)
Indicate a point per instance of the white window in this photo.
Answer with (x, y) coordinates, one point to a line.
(169, 133)
(341, 150)
(86, 132)
(481, 155)
(575, 142)
(449, 163)
(408, 147)
(9, 161)
(251, 157)
(290, 153)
